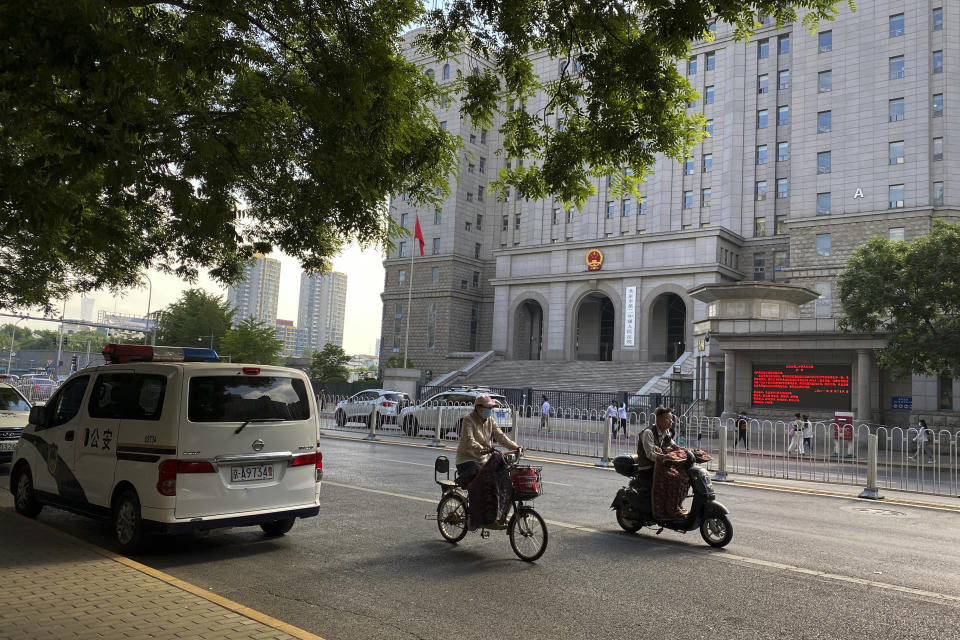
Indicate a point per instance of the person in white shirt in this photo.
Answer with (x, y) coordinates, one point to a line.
(921, 439)
(613, 415)
(545, 415)
(622, 415)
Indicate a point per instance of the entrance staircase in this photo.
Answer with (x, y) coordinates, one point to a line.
(566, 375)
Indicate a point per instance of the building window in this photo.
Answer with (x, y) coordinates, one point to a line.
(556, 215)
(783, 151)
(479, 222)
(761, 190)
(708, 95)
(643, 205)
(780, 262)
(436, 246)
(483, 164)
(897, 67)
(783, 187)
(463, 284)
(402, 276)
(945, 393)
(759, 227)
(625, 208)
(897, 109)
(896, 152)
(443, 125)
(763, 49)
(688, 167)
(759, 268)
(896, 196)
(780, 225)
(688, 199)
(437, 216)
(783, 116)
(937, 19)
(431, 74)
(705, 197)
(483, 136)
(480, 191)
(824, 124)
(938, 194)
(431, 326)
(896, 234)
(938, 148)
(476, 279)
(823, 245)
(825, 41)
(473, 136)
(710, 61)
(937, 105)
(404, 219)
(707, 162)
(938, 61)
(469, 196)
(402, 250)
(783, 79)
(825, 81)
(516, 222)
(446, 72)
(505, 223)
(569, 216)
(712, 28)
(476, 250)
(692, 66)
(823, 204)
(435, 275)
(762, 119)
(398, 319)
(763, 83)
(824, 162)
(783, 44)
(468, 226)
(896, 25)
(824, 302)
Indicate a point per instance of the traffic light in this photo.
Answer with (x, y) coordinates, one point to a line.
(73, 362)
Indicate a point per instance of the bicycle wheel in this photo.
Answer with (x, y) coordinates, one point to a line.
(452, 517)
(528, 534)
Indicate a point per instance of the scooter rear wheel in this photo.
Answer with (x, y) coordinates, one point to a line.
(452, 515)
(626, 523)
(717, 531)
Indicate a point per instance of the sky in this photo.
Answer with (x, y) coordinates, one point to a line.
(364, 269)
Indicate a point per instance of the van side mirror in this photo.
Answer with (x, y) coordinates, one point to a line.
(38, 416)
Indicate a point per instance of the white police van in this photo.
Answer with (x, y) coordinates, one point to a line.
(170, 440)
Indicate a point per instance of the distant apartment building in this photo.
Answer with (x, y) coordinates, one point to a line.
(287, 335)
(323, 302)
(257, 294)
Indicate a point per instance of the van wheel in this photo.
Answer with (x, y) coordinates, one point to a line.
(277, 527)
(127, 523)
(24, 499)
(340, 417)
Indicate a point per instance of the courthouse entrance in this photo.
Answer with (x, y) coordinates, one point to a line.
(595, 328)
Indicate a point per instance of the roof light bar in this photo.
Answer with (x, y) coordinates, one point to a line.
(120, 353)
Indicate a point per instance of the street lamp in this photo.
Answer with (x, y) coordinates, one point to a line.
(13, 337)
(200, 338)
(151, 327)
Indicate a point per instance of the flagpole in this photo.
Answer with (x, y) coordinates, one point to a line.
(406, 337)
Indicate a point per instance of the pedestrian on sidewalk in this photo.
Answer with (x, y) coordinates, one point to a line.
(612, 416)
(545, 415)
(796, 435)
(622, 416)
(808, 434)
(921, 439)
(742, 431)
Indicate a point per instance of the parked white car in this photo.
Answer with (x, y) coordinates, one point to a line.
(14, 415)
(371, 405)
(451, 406)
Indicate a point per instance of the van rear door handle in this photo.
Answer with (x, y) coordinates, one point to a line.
(68, 436)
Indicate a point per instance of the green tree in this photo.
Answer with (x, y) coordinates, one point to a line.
(192, 319)
(251, 342)
(42, 339)
(78, 341)
(330, 364)
(911, 291)
(396, 362)
(194, 133)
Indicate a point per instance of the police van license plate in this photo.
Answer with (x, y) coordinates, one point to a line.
(251, 472)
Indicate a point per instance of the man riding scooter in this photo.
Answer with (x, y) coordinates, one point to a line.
(653, 443)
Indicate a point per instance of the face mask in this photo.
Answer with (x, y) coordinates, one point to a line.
(486, 413)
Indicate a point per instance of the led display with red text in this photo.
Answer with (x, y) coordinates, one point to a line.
(801, 386)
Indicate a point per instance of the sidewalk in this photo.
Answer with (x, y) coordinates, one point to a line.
(56, 586)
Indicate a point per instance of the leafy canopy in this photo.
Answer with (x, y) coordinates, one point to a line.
(330, 364)
(911, 290)
(192, 319)
(193, 133)
(251, 343)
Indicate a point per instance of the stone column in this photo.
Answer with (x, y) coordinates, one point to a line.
(864, 363)
(729, 382)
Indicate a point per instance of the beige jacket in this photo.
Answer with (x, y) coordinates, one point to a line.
(478, 435)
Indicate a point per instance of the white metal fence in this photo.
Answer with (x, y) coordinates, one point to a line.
(763, 450)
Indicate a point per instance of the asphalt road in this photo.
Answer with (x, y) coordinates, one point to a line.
(371, 566)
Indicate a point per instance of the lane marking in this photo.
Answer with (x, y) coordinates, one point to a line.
(418, 464)
(720, 556)
(236, 607)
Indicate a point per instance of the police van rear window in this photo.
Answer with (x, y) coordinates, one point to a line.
(238, 399)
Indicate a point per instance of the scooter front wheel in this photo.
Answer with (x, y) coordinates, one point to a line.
(717, 531)
(452, 516)
(626, 523)
(528, 534)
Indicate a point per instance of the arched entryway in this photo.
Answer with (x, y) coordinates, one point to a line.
(595, 328)
(668, 327)
(528, 334)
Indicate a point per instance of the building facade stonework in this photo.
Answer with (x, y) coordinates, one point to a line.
(817, 143)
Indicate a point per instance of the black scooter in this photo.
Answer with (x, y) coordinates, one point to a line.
(634, 510)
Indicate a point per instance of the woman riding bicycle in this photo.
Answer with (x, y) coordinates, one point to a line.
(478, 432)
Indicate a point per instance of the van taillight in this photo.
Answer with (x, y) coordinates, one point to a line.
(251, 371)
(168, 470)
(319, 465)
(315, 458)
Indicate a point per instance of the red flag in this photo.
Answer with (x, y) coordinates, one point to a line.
(418, 234)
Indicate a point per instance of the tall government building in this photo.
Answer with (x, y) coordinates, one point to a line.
(257, 293)
(728, 263)
(323, 303)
